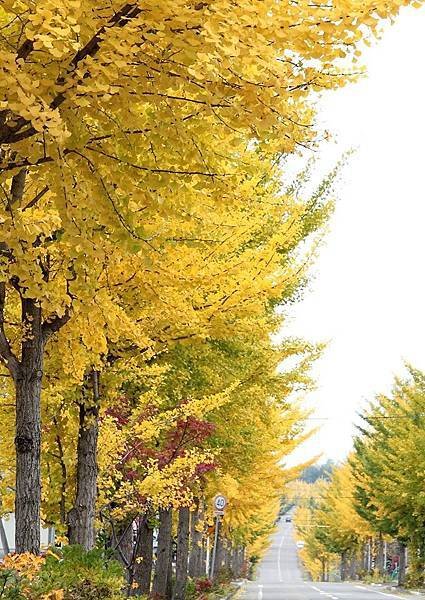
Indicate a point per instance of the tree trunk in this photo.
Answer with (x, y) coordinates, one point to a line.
(323, 563)
(421, 562)
(169, 589)
(221, 552)
(28, 431)
(344, 565)
(195, 556)
(216, 553)
(235, 562)
(380, 557)
(205, 556)
(182, 554)
(144, 558)
(227, 551)
(163, 553)
(81, 517)
(122, 543)
(353, 565)
(241, 561)
(402, 564)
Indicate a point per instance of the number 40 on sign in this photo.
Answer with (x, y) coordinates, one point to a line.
(220, 503)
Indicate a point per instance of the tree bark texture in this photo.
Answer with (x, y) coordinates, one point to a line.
(81, 517)
(380, 555)
(353, 565)
(163, 553)
(221, 552)
(217, 551)
(123, 544)
(195, 555)
(27, 374)
(238, 561)
(182, 554)
(344, 565)
(28, 431)
(144, 558)
(323, 564)
(169, 588)
(365, 557)
(227, 550)
(402, 563)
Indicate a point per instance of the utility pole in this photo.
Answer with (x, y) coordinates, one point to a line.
(207, 557)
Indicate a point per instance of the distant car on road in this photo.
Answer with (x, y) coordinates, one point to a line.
(288, 519)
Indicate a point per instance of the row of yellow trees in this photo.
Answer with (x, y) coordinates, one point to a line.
(369, 517)
(147, 235)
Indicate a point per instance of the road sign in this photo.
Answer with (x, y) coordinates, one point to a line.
(220, 503)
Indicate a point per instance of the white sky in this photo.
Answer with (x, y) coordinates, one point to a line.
(368, 292)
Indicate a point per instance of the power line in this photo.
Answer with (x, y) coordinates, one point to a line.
(366, 418)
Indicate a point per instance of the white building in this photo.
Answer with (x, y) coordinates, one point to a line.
(7, 535)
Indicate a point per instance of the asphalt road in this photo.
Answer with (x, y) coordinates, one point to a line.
(279, 578)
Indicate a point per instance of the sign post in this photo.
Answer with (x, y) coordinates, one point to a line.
(220, 503)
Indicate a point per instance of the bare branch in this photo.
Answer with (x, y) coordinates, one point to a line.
(153, 170)
(22, 128)
(25, 49)
(19, 164)
(52, 326)
(36, 198)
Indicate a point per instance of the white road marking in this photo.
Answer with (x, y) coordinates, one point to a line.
(322, 593)
(361, 587)
(278, 559)
(260, 592)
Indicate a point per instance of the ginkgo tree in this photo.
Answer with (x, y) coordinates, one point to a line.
(376, 496)
(388, 464)
(118, 119)
(332, 529)
(197, 287)
(167, 424)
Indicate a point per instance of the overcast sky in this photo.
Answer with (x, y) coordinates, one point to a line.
(367, 296)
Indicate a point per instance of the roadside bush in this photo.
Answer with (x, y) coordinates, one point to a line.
(68, 574)
(190, 589)
(81, 574)
(203, 585)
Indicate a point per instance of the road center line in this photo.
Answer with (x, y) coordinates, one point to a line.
(278, 559)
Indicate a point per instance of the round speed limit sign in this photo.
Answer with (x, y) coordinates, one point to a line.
(220, 503)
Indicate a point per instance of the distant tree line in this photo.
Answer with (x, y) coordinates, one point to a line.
(314, 472)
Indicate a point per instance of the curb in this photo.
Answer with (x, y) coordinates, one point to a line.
(239, 585)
